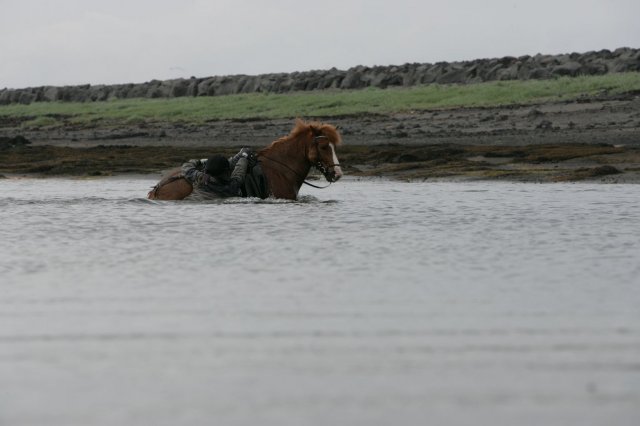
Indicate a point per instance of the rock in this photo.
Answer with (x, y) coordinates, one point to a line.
(352, 80)
(386, 79)
(604, 170)
(430, 74)
(13, 142)
(454, 73)
(540, 74)
(192, 88)
(50, 93)
(570, 68)
(179, 88)
(509, 73)
(545, 125)
(406, 158)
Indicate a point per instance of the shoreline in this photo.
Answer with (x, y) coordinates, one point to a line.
(461, 179)
(591, 138)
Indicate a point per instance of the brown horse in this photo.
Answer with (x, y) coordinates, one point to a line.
(285, 163)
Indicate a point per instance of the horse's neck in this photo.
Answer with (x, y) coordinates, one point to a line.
(286, 168)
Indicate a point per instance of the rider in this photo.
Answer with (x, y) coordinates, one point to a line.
(213, 178)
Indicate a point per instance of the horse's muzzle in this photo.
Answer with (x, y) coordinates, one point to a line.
(334, 174)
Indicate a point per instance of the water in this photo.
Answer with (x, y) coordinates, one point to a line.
(370, 302)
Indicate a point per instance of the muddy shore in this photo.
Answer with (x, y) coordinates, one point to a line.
(596, 138)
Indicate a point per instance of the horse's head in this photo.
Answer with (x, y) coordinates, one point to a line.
(322, 150)
(286, 162)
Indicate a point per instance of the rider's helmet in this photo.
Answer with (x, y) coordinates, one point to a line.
(217, 165)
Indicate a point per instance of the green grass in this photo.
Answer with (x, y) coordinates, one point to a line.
(315, 104)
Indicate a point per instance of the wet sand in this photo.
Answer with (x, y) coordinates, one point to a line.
(588, 138)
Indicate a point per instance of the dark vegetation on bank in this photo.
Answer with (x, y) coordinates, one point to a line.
(539, 163)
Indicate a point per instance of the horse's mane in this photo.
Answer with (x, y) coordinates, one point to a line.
(301, 127)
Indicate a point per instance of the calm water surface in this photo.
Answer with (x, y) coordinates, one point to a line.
(371, 302)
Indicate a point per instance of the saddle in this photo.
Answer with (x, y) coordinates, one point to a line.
(255, 183)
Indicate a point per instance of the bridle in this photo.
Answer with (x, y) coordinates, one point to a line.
(324, 169)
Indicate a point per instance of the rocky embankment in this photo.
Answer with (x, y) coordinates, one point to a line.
(480, 70)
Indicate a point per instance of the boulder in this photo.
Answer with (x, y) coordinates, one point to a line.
(570, 68)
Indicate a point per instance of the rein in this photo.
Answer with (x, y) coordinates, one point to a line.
(316, 186)
(318, 165)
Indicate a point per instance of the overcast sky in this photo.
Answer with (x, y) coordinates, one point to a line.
(59, 42)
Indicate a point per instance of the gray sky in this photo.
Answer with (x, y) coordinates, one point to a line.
(58, 42)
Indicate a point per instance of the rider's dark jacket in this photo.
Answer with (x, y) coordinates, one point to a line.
(214, 187)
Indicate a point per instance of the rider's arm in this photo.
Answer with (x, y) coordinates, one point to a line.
(240, 170)
(244, 152)
(192, 171)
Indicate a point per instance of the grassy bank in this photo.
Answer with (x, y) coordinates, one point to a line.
(312, 104)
